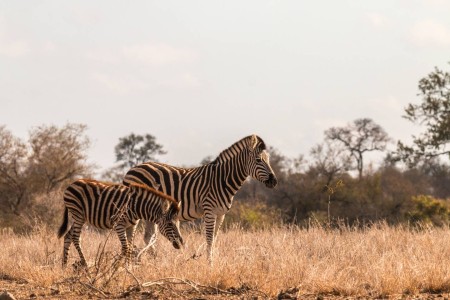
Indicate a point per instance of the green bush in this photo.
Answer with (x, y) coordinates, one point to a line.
(252, 214)
(427, 209)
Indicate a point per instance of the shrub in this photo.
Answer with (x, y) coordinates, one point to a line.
(430, 210)
(252, 214)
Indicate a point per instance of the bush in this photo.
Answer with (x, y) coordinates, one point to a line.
(252, 214)
(430, 210)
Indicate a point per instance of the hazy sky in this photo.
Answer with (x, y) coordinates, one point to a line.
(200, 75)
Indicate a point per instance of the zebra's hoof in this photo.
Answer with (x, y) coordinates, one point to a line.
(79, 266)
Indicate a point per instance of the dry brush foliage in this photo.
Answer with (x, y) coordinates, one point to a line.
(372, 262)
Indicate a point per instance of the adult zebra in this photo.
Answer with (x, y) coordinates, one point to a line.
(108, 205)
(207, 191)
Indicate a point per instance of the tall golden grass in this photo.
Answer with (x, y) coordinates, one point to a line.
(375, 261)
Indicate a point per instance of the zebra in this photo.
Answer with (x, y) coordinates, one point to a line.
(108, 205)
(207, 191)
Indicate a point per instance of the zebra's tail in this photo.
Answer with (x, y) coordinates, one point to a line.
(64, 226)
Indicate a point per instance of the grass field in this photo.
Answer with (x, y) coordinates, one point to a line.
(282, 262)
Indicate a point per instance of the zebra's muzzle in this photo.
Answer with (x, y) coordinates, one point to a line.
(271, 182)
(178, 244)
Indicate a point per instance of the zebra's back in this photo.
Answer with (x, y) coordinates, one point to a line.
(97, 203)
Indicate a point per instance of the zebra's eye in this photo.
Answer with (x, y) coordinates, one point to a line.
(258, 159)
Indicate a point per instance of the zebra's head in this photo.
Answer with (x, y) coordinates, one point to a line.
(258, 164)
(168, 224)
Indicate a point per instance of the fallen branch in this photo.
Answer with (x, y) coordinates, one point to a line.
(93, 288)
(196, 286)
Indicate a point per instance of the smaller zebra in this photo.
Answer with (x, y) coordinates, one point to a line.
(118, 207)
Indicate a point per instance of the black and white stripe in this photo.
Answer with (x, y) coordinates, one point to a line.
(207, 191)
(115, 206)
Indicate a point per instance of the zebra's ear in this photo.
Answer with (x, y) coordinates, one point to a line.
(165, 205)
(174, 209)
(131, 190)
(253, 142)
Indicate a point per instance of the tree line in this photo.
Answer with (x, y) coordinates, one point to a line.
(332, 183)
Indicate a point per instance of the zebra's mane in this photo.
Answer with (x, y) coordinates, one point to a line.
(155, 192)
(89, 180)
(138, 185)
(238, 147)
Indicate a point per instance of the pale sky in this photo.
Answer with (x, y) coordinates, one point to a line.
(200, 75)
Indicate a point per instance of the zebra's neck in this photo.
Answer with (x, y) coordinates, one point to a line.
(231, 152)
(144, 206)
(230, 172)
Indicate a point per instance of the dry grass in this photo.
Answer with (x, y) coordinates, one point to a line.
(372, 262)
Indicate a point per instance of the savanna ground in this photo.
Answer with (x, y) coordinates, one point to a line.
(378, 261)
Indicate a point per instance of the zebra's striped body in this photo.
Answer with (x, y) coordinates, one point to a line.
(118, 207)
(207, 191)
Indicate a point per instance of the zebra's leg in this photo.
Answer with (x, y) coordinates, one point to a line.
(131, 231)
(121, 233)
(133, 250)
(76, 232)
(150, 236)
(210, 228)
(67, 243)
(219, 222)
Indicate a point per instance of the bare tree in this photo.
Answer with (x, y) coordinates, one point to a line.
(359, 137)
(13, 153)
(58, 155)
(53, 157)
(330, 160)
